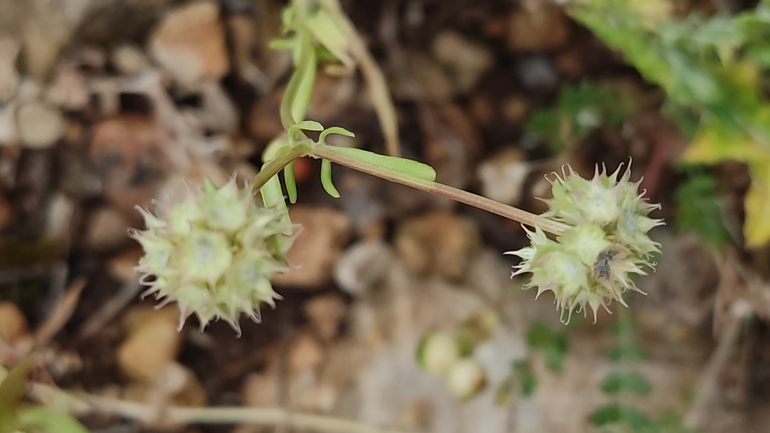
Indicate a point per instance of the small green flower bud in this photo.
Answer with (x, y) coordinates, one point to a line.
(215, 253)
(466, 378)
(437, 352)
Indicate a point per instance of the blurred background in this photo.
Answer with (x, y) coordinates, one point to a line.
(110, 104)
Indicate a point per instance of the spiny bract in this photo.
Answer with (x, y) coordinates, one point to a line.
(214, 253)
(592, 262)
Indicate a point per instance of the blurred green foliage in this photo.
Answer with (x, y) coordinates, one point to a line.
(699, 207)
(624, 381)
(18, 417)
(522, 381)
(712, 70)
(553, 344)
(579, 110)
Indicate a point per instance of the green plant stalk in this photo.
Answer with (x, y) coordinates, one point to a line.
(277, 164)
(329, 153)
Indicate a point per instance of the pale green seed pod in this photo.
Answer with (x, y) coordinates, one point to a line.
(466, 378)
(438, 352)
(214, 253)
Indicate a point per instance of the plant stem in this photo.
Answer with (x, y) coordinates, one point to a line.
(264, 416)
(327, 152)
(510, 212)
(277, 164)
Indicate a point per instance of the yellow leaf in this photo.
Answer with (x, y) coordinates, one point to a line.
(713, 144)
(756, 229)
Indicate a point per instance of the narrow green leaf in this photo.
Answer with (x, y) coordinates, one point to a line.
(637, 420)
(626, 382)
(9, 421)
(606, 415)
(624, 327)
(326, 178)
(287, 18)
(307, 125)
(699, 206)
(503, 393)
(307, 69)
(280, 44)
(334, 130)
(626, 352)
(48, 421)
(400, 165)
(291, 182)
(272, 195)
(14, 386)
(326, 30)
(525, 378)
(275, 148)
(554, 357)
(539, 335)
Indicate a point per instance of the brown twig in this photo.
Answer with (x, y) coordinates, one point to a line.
(110, 309)
(265, 416)
(60, 315)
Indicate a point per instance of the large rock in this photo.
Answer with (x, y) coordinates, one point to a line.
(190, 44)
(324, 234)
(537, 26)
(152, 344)
(437, 244)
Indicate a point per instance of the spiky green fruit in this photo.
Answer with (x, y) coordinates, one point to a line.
(592, 262)
(214, 253)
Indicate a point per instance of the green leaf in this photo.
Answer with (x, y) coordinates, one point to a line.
(581, 109)
(281, 44)
(699, 208)
(624, 328)
(626, 382)
(637, 420)
(539, 335)
(14, 385)
(291, 182)
(609, 414)
(613, 414)
(272, 197)
(626, 353)
(504, 391)
(328, 32)
(334, 130)
(326, 178)
(276, 147)
(288, 16)
(555, 352)
(307, 71)
(9, 421)
(48, 421)
(546, 125)
(306, 125)
(402, 166)
(525, 378)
